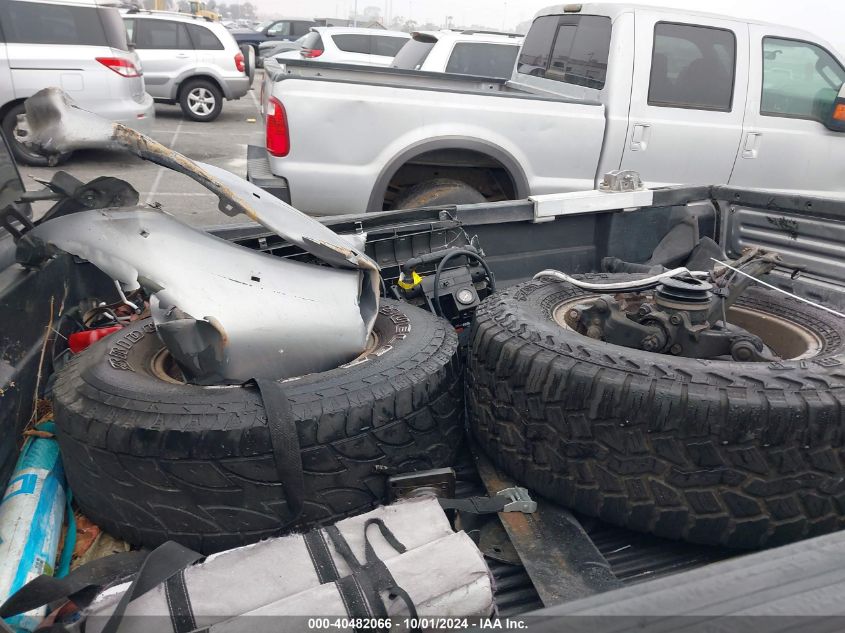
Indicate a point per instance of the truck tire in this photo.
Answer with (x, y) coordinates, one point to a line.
(715, 452)
(23, 154)
(150, 459)
(201, 100)
(436, 192)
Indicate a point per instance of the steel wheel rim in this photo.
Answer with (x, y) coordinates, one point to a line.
(201, 101)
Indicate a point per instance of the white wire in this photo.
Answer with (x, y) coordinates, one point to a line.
(622, 285)
(781, 290)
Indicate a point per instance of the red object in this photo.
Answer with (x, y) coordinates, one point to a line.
(239, 62)
(278, 139)
(78, 341)
(122, 67)
(311, 53)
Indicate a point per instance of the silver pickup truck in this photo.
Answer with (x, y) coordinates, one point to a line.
(680, 96)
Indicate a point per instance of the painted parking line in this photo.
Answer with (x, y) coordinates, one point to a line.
(161, 170)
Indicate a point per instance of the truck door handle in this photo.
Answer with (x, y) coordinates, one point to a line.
(752, 145)
(639, 137)
(182, 56)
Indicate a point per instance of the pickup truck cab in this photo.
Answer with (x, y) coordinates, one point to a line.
(273, 30)
(679, 96)
(478, 53)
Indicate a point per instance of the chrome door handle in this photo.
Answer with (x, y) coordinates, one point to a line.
(639, 137)
(752, 145)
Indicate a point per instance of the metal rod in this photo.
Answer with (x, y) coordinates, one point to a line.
(781, 290)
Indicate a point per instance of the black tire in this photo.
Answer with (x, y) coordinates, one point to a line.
(23, 154)
(151, 460)
(436, 192)
(715, 452)
(201, 100)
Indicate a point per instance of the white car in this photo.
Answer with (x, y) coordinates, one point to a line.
(341, 45)
(189, 60)
(479, 53)
(80, 46)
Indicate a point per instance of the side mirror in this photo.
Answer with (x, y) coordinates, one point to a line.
(836, 118)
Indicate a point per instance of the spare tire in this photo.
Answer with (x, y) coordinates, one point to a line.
(716, 452)
(151, 459)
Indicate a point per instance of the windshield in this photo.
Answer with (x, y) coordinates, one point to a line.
(263, 25)
(413, 54)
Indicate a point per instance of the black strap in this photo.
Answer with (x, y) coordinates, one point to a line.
(162, 563)
(352, 596)
(320, 556)
(369, 553)
(179, 603)
(476, 505)
(285, 442)
(98, 573)
(374, 576)
(342, 548)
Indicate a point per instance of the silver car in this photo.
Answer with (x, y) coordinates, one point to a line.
(77, 46)
(189, 60)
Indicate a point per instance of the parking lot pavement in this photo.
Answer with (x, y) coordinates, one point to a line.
(222, 143)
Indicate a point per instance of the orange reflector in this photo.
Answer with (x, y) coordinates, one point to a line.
(839, 112)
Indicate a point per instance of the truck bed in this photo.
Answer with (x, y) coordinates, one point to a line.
(356, 126)
(410, 79)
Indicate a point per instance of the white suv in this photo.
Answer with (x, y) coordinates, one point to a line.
(77, 46)
(479, 53)
(341, 45)
(189, 60)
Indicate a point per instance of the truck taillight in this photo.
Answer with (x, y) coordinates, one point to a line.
(239, 62)
(277, 136)
(311, 53)
(122, 67)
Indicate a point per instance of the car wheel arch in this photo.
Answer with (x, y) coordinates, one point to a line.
(494, 152)
(221, 86)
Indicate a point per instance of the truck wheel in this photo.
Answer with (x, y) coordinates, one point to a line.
(741, 454)
(152, 459)
(201, 100)
(21, 152)
(440, 191)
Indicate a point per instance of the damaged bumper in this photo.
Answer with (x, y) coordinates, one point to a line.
(226, 313)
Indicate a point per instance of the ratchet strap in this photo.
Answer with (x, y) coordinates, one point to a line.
(514, 499)
(285, 442)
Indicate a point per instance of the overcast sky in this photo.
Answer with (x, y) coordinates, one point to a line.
(824, 17)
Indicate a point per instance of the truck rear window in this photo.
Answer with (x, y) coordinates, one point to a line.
(483, 59)
(568, 48)
(414, 53)
(48, 23)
